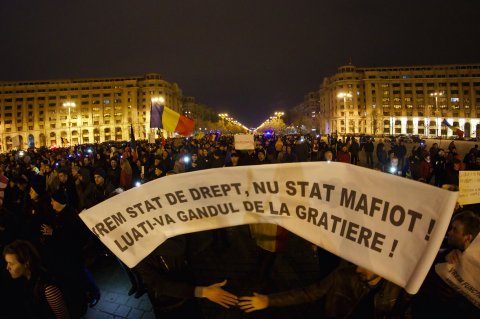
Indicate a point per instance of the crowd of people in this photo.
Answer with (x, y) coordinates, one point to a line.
(46, 247)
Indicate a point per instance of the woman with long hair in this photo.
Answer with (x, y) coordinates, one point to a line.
(125, 174)
(40, 297)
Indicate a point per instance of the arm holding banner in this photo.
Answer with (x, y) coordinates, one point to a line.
(164, 273)
(342, 292)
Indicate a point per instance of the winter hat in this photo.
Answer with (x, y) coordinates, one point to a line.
(39, 186)
(99, 171)
(60, 197)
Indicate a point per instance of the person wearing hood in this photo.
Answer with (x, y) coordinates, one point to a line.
(84, 187)
(103, 188)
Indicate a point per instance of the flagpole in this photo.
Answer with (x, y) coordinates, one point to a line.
(436, 95)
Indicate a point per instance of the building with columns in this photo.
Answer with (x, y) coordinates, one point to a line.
(401, 100)
(64, 112)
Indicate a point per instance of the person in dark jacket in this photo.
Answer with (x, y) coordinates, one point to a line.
(196, 164)
(348, 292)
(354, 150)
(382, 156)
(113, 173)
(302, 150)
(103, 188)
(68, 186)
(35, 295)
(37, 212)
(84, 187)
(62, 249)
(369, 148)
(169, 285)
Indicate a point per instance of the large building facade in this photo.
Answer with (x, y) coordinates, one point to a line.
(401, 100)
(41, 113)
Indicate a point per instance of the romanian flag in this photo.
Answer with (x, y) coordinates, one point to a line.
(457, 131)
(169, 120)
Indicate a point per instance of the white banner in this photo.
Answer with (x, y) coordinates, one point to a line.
(244, 141)
(469, 187)
(464, 275)
(390, 225)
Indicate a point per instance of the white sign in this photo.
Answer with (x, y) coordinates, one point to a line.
(151, 138)
(463, 276)
(390, 225)
(469, 187)
(16, 141)
(244, 142)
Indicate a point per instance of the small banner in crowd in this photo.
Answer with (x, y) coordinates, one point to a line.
(244, 142)
(469, 187)
(463, 276)
(390, 225)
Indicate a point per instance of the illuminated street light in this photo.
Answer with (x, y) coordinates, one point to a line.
(345, 96)
(69, 105)
(436, 95)
(158, 99)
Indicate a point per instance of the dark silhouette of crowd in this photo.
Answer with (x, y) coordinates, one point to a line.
(48, 250)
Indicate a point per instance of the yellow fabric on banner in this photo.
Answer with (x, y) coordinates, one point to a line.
(170, 119)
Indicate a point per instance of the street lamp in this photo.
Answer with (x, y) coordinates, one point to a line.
(373, 119)
(344, 96)
(436, 95)
(223, 116)
(69, 105)
(158, 99)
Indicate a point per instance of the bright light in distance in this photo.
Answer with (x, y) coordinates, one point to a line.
(137, 184)
(393, 169)
(343, 95)
(69, 104)
(186, 159)
(21, 153)
(159, 99)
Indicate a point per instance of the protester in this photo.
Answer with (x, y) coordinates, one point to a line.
(354, 150)
(343, 155)
(449, 303)
(348, 292)
(369, 148)
(39, 297)
(170, 286)
(62, 249)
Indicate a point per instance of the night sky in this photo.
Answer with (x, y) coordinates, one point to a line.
(247, 58)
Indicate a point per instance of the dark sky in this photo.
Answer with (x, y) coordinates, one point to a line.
(247, 58)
